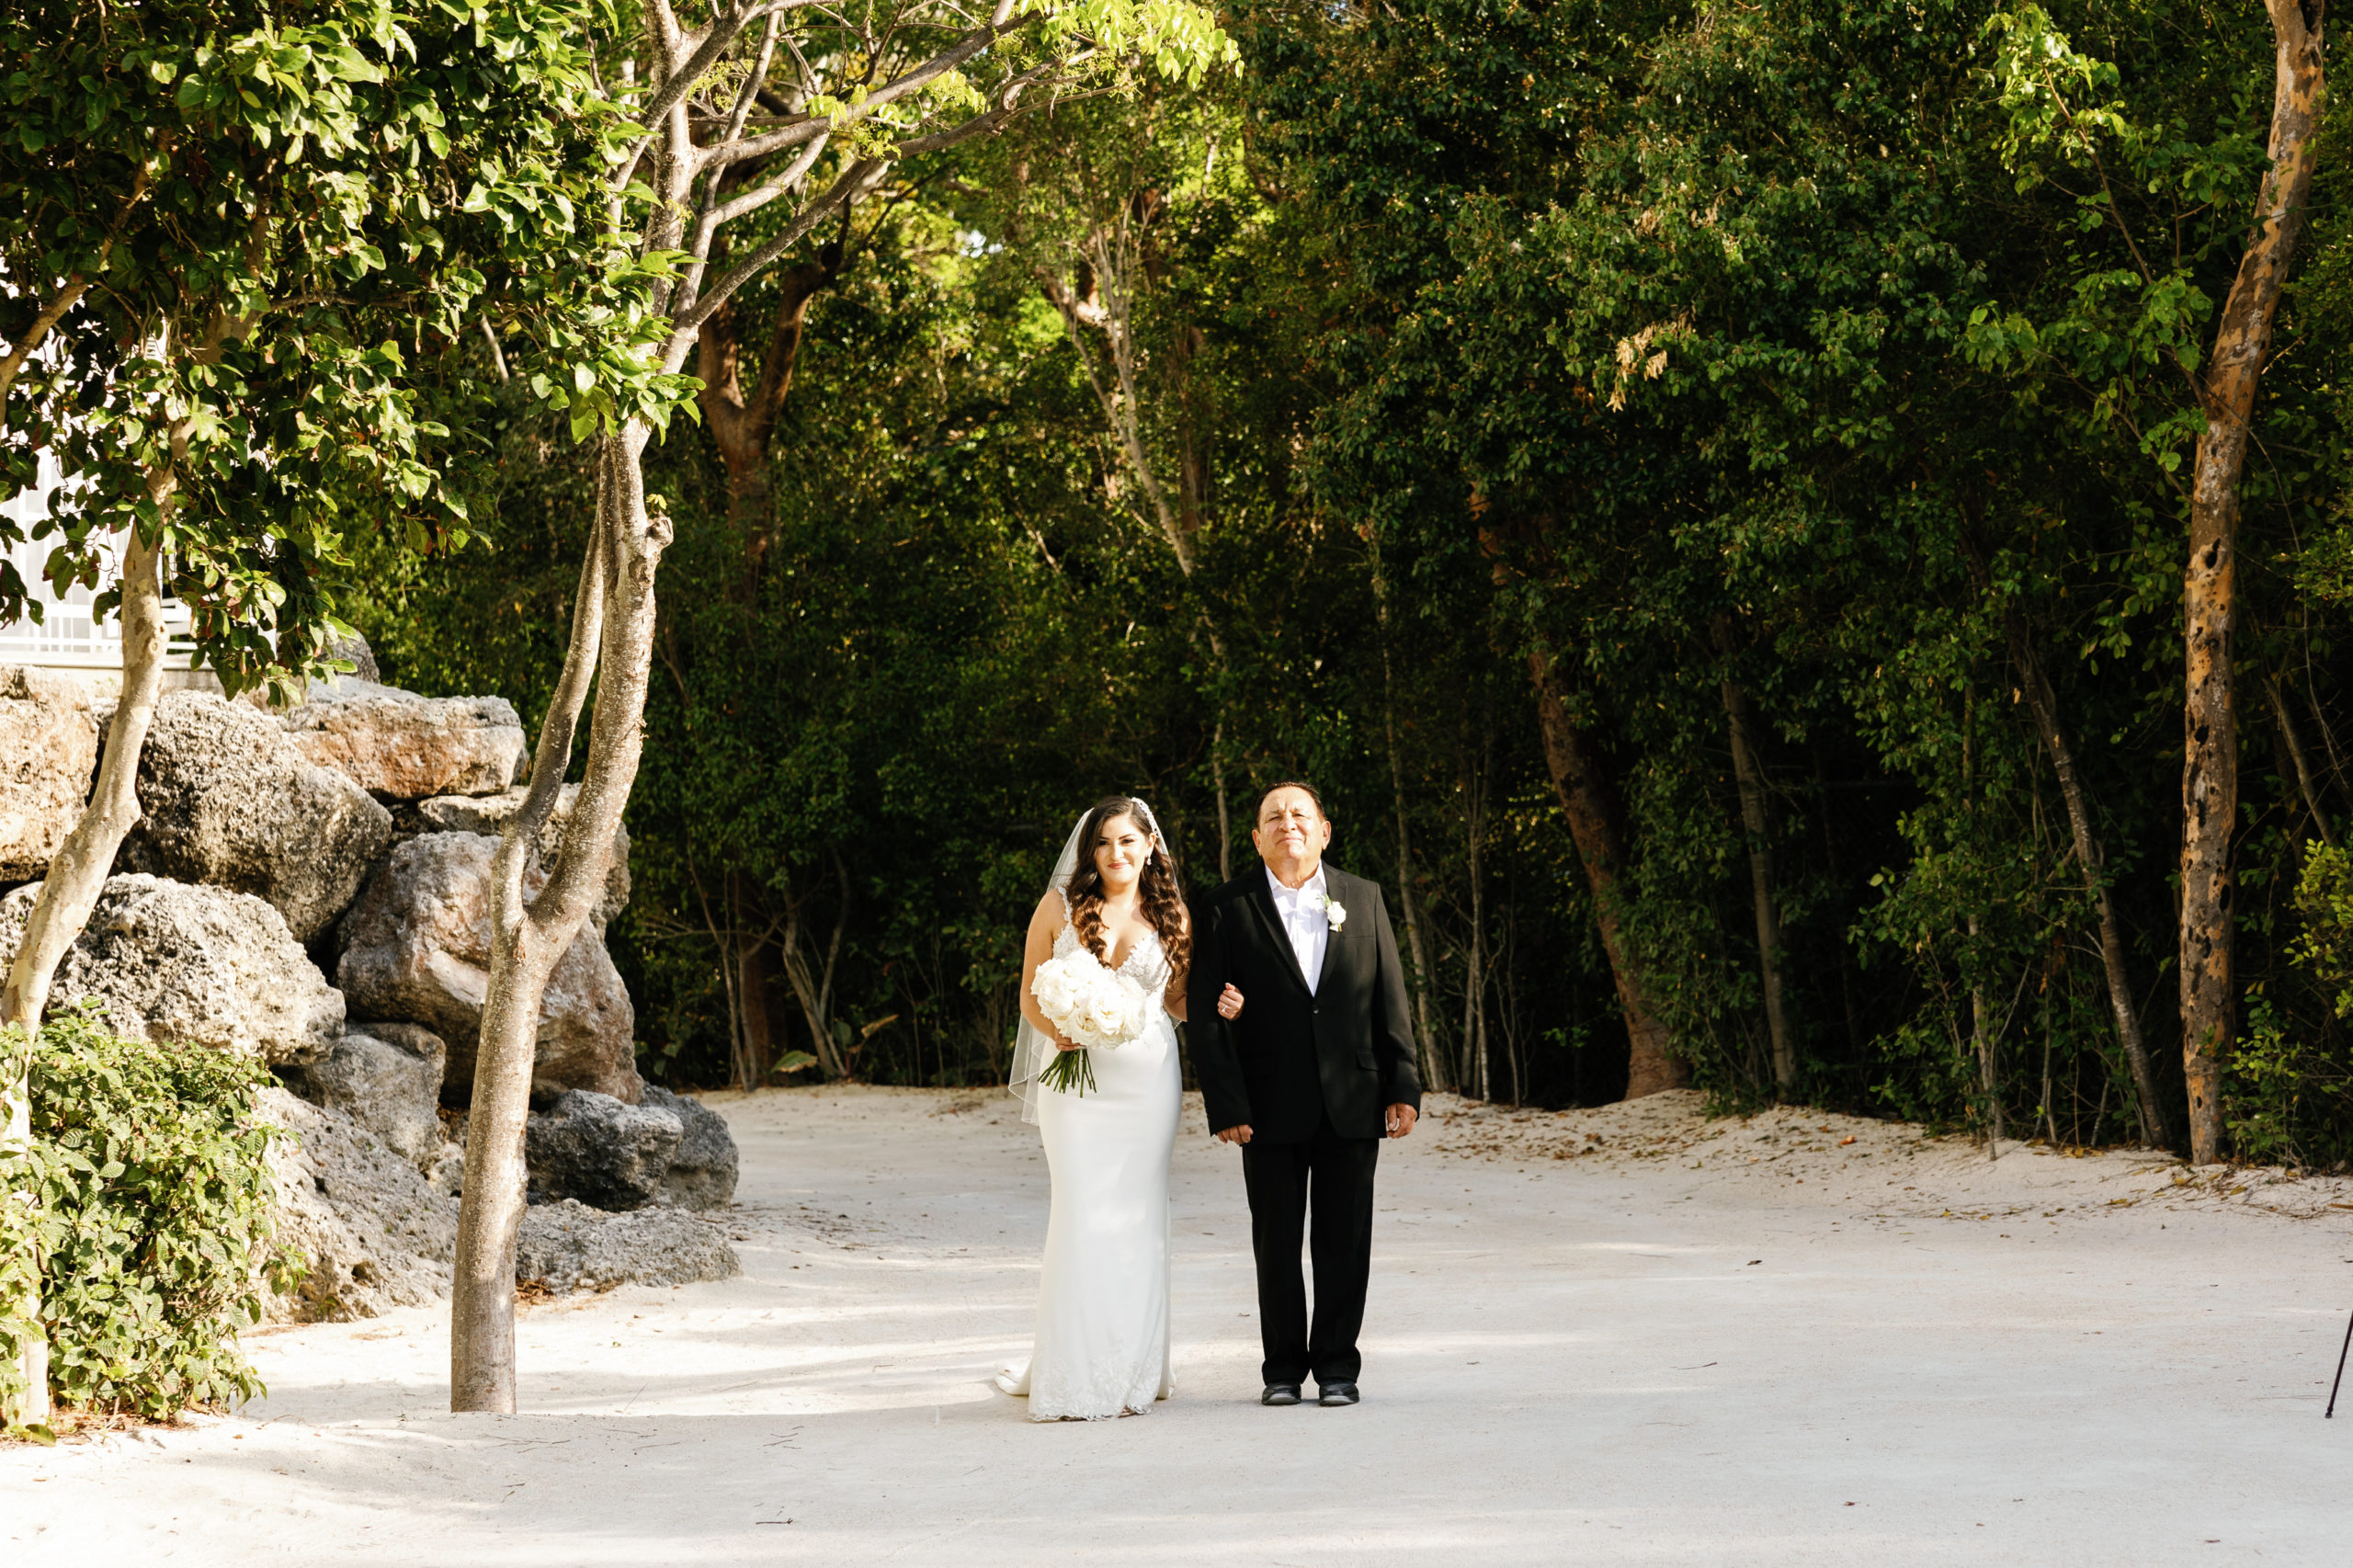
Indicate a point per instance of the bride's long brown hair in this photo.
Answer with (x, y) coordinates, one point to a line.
(1158, 892)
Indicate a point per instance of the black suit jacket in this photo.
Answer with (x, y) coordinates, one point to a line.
(1346, 1050)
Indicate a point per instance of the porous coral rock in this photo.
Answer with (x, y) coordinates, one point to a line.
(416, 947)
(226, 799)
(49, 750)
(400, 746)
(201, 966)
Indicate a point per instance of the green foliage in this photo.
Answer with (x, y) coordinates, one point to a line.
(1808, 353)
(153, 1227)
(249, 261)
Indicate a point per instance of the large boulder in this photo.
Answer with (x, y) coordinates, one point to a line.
(387, 1077)
(607, 1154)
(400, 746)
(193, 965)
(416, 947)
(570, 1247)
(49, 749)
(489, 814)
(375, 1235)
(702, 1169)
(227, 800)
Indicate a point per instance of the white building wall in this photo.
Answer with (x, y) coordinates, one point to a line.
(66, 639)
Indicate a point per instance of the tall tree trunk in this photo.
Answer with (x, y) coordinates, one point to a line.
(1748, 775)
(1435, 1073)
(1591, 808)
(743, 423)
(752, 983)
(1477, 1071)
(71, 890)
(2210, 586)
(612, 641)
(1989, 1080)
(2043, 704)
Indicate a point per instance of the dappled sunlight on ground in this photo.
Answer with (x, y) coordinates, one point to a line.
(1630, 1334)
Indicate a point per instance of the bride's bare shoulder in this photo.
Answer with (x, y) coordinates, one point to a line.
(1050, 913)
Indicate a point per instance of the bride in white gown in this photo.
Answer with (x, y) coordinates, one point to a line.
(1102, 1342)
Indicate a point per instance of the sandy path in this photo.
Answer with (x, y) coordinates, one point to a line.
(1693, 1342)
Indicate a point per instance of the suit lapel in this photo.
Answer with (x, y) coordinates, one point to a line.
(1262, 898)
(1331, 937)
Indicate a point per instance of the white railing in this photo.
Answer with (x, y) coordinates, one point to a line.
(67, 637)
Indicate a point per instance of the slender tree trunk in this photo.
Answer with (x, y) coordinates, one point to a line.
(2210, 586)
(752, 984)
(1436, 1074)
(2305, 783)
(612, 640)
(1224, 806)
(1476, 1069)
(76, 878)
(2043, 704)
(1748, 774)
(1591, 809)
(815, 992)
(1989, 1081)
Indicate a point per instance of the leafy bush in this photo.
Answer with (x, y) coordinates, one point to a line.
(153, 1226)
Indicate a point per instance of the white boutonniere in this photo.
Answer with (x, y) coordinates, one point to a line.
(1336, 913)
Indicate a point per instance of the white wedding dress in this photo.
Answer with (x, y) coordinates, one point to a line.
(1102, 1345)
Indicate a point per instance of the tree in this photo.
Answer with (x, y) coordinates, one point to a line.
(871, 91)
(243, 257)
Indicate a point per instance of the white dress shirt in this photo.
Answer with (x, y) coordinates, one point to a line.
(1300, 910)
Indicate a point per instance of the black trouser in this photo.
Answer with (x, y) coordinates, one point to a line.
(1335, 1174)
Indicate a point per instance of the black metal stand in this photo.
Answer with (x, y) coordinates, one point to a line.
(2330, 1413)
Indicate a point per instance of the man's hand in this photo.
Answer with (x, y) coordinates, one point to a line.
(1235, 1134)
(1401, 1120)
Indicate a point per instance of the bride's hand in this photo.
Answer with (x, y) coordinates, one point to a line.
(1229, 1004)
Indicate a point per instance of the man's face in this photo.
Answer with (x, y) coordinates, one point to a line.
(1291, 833)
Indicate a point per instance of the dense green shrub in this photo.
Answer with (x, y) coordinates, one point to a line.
(153, 1226)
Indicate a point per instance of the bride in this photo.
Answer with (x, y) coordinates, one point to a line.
(1102, 1343)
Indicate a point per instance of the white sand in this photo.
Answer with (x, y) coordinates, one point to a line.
(1706, 1343)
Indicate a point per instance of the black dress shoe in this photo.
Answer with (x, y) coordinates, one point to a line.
(1280, 1393)
(1335, 1393)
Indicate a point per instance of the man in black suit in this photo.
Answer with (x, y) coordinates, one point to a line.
(1307, 1075)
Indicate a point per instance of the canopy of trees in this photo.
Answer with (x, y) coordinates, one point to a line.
(1801, 543)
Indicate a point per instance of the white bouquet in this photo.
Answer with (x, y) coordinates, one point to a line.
(1096, 1007)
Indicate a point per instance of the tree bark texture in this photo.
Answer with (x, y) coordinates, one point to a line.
(77, 875)
(1591, 808)
(2043, 704)
(743, 423)
(1748, 775)
(2209, 586)
(612, 640)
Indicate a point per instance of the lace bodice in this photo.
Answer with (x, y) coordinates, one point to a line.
(1146, 964)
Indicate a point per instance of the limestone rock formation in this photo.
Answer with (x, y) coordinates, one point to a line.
(387, 1077)
(198, 965)
(605, 1153)
(416, 947)
(49, 750)
(375, 1233)
(701, 1174)
(227, 800)
(400, 746)
(488, 815)
(570, 1247)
